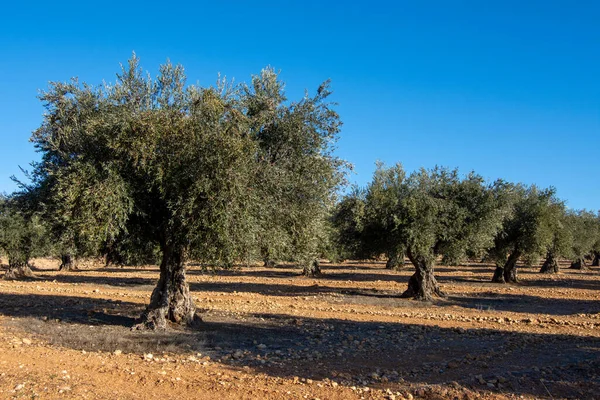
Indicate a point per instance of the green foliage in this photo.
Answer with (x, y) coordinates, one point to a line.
(215, 172)
(347, 226)
(432, 213)
(533, 227)
(22, 232)
(584, 231)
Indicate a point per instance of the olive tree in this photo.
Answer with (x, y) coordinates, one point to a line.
(432, 213)
(527, 233)
(191, 169)
(562, 238)
(347, 221)
(22, 235)
(596, 245)
(583, 227)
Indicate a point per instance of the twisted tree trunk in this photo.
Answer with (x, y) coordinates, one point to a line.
(311, 268)
(395, 260)
(550, 266)
(171, 299)
(67, 263)
(18, 268)
(266, 257)
(507, 272)
(422, 285)
(596, 262)
(579, 264)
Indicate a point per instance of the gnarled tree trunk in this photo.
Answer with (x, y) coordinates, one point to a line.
(550, 266)
(171, 299)
(507, 272)
(395, 260)
(579, 264)
(422, 285)
(18, 268)
(596, 261)
(266, 257)
(67, 263)
(311, 268)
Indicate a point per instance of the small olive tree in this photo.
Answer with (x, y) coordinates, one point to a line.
(596, 246)
(432, 213)
(22, 235)
(583, 226)
(527, 233)
(562, 238)
(347, 221)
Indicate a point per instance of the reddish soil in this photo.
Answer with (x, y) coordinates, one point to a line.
(270, 334)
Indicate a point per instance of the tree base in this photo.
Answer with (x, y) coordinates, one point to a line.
(424, 289)
(171, 300)
(312, 269)
(579, 265)
(67, 263)
(19, 272)
(498, 275)
(550, 266)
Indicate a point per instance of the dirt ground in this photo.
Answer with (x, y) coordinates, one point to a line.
(270, 334)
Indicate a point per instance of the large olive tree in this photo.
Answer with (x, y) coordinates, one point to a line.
(432, 213)
(202, 172)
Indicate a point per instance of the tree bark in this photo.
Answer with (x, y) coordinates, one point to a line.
(579, 264)
(507, 272)
(18, 268)
(550, 266)
(171, 299)
(67, 263)
(395, 260)
(596, 262)
(312, 268)
(422, 285)
(266, 256)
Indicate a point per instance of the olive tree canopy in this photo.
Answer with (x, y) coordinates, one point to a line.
(528, 233)
(203, 172)
(431, 213)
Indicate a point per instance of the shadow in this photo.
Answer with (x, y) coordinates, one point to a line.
(377, 354)
(118, 281)
(526, 304)
(269, 289)
(70, 309)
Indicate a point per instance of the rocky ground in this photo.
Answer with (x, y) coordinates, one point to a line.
(270, 334)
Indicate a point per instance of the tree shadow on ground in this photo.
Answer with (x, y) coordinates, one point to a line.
(349, 352)
(117, 281)
(521, 303)
(70, 309)
(267, 289)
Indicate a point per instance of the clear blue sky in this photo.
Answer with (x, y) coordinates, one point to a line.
(509, 89)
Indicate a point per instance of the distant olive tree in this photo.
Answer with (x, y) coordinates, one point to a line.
(203, 173)
(22, 235)
(583, 226)
(347, 222)
(528, 233)
(561, 241)
(431, 213)
(596, 245)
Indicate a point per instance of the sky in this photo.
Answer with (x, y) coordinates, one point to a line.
(509, 89)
